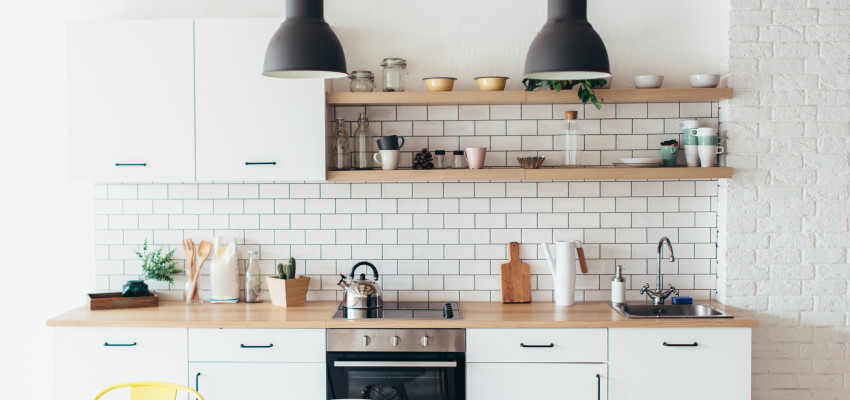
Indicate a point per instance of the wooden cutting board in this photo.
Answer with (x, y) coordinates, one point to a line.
(516, 278)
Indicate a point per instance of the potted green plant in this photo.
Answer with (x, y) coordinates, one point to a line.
(156, 266)
(586, 88)
(287, 289)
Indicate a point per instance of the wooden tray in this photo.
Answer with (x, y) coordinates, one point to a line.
(114, 300)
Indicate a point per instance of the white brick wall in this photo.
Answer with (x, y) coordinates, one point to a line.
(444, 241)
(784, 215)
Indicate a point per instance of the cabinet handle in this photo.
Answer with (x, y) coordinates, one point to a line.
(694, 344)
(261, 163)
(131, 165)
(537, 345)
(107, 344)
(598, 387)
(244, 346)
(198, 375)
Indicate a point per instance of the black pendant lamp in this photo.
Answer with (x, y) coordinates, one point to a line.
(567, 48)
(305, 47)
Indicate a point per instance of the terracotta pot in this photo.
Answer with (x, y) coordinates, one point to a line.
(288, 292)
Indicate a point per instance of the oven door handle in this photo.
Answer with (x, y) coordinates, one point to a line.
(397, 364)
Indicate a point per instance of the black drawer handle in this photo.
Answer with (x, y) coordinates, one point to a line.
(261, 163)
(131, 165)
(598, 387)
(198, 375)
(694, 344)
(244, 346)
(537, 345)
(107, 344)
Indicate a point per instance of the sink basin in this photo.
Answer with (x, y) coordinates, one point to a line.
(670, 311)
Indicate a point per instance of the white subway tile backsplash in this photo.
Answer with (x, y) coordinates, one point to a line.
(415, 113)
(474, 112)
(442, 113)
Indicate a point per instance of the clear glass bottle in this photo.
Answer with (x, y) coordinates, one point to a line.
(362, 81)
(439, 159)
(361, 156)
(253, 280)
(342, 147)
(459, 159)
(572, 140)
(394, 74)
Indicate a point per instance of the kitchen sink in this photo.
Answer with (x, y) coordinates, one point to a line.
(670, 311)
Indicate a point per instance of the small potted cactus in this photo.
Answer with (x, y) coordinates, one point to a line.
(286, 289)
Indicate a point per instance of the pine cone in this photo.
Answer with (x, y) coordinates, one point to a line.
(423, 160)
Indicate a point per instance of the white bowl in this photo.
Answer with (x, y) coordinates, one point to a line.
(705, 80)
(648, 81)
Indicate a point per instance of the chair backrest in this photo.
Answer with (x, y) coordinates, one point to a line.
(149, 390)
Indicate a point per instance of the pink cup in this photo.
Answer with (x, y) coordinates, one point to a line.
(475, 157)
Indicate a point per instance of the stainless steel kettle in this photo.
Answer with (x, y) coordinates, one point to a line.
(361, 293)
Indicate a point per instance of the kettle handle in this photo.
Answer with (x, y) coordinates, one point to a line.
(375, 270)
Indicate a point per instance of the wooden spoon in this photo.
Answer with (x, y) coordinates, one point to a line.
(204, 249)
(189, 251)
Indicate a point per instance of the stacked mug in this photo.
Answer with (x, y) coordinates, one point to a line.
(708, 146)
(689, 128)
(389, 150)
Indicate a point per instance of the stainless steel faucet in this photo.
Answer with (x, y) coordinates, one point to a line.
(659, 295)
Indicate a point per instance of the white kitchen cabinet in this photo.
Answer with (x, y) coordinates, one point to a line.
(231, 381)
(131, 101)
(539, 381)
(692, 363)
(257, 345)
(251, 127)
(536, 345)
(87, 360)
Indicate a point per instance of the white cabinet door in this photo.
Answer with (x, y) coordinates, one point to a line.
(87, 360)
(539, 381)
(536, 345)
(131, 100)
(257, 345)
(233, 381)
(695, 363)
(251, 127)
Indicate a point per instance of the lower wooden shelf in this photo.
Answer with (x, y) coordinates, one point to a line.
(519, 174)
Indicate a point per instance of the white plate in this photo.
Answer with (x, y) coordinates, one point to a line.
(624, 165)
(641, 160)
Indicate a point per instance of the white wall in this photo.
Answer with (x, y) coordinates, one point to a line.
(46, 221)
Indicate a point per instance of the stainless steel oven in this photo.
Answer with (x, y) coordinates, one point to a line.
(390, 364)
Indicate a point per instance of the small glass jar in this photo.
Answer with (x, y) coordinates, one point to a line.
(572, 140)
(362, 81)
(459, 159)
(253, 280)
(342, 147)
(395, 71)
(439, 159)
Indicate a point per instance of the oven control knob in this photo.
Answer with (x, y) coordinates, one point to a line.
(426, 341)
(365, 340)
(394, 341)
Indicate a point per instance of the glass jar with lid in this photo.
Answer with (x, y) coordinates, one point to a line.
(362, 81)
(394, 74)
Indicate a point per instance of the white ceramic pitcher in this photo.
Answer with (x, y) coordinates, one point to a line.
(563, 269)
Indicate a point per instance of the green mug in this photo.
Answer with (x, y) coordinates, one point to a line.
(690, 136)
(708, 140)
(669, 154)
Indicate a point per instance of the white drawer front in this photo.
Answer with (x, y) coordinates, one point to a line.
(536, 345)
(257, 345)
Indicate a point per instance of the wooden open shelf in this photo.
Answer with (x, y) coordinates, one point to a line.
(523, 97)
(519, 174)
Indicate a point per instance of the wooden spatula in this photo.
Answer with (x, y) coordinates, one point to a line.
(516, 278)
(581, 260)
(203, 252)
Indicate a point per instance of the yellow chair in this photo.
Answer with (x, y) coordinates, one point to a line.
(149, 390)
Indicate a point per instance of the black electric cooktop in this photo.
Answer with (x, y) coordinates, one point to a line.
(404, 310)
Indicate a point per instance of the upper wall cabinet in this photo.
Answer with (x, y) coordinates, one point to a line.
(251, 127)
(131, 100)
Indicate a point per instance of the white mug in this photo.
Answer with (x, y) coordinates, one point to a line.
(387, 159)
(692, 155)
(706, 132)
(708, 154)
(689, 124)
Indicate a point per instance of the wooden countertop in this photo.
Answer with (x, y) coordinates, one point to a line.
(173, 314)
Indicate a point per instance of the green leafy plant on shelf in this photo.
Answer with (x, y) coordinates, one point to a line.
(586, 88)
(156, 265)
(286, 271)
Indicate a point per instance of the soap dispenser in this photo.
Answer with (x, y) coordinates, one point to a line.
(618, 288)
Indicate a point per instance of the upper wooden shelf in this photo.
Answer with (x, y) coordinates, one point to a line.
(519, 174)
(523, 97)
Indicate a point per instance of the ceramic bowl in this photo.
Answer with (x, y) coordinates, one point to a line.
(439, 84)
(649, 81)
(491, 83)
(705, 80)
